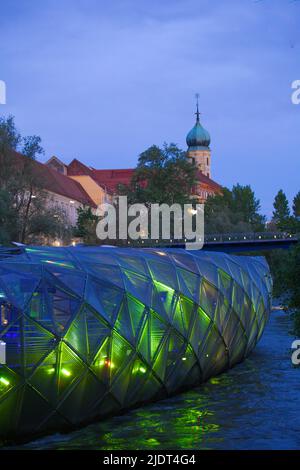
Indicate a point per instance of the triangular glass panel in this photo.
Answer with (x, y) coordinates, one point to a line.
(53, 421)
(112, 275)
(94, 255)
(104, 298)
(97, 330)
(40, 307)
(121, 382)
(199, 329)
(102, 363)
(161, 359)
(236, 273)
(164, 273)
(38, 342)
(50, 255)
(179, 367)
(57, 373)
(138, 286)
(223, 311)
(82, 398)
(42, 408)
(9, 410)
(189, 284)
(138, 377)
(71, 367)
(44, 378)
(53, 305)
(238, 346)
(65, 307)
(225, 283)
(121, 354)
(77, 335)
(71, 279)
(9, 381)
(133, 263)
(105, 406)
(187, 312)
(152, 389)
(164, 300)
(157, 332)
(123, 323)
(208, 298)
(144, 342)
(175, 348)
(213, 355)
(137, 312)
(185, 261)
(207, 270)
(19, 281)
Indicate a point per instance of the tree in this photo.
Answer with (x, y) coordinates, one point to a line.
(235, 210)
(246, 206)
(281, 213)
(296, 205)
(8, 218)
(86, 226)
(22, 197)
(294, 276)
(163, 175)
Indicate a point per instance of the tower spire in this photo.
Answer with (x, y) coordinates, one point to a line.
(197, 107)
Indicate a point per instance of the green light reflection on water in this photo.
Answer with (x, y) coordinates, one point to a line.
(186, 420)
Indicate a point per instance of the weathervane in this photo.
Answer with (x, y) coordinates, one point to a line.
(197, 104)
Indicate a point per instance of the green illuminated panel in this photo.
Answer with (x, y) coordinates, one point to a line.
(92, 331)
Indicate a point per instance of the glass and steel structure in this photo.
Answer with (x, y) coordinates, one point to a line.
(86, 332)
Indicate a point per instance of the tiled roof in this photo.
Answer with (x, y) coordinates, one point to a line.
(110, 179)
(56, 182)
(77, 168)
(107, 179)
(208, 181)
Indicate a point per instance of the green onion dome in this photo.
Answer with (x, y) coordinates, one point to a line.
(198, 138)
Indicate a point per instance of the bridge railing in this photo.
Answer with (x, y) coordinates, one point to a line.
(220, 238)
(250, 236)
(226, 238)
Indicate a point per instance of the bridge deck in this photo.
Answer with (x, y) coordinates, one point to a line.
(228, 243)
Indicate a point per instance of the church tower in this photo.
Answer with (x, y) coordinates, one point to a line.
(198, 140)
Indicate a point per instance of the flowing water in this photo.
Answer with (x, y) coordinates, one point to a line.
(256, 405)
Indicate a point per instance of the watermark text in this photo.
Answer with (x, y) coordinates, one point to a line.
(296, 94)
(2, 92)
(152, 221)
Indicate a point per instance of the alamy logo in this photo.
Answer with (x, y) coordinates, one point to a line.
(296, 353)
(296, 93)
(152, 222)
(2, 92)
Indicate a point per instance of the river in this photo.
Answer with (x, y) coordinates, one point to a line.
(255, 405)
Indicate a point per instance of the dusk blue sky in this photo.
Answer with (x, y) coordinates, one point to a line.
(103, 80)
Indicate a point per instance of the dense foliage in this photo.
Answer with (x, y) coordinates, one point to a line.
(163, 175)
(235, 210)
(25, 215)
(86, 226)
(296, 205)
(285, 266)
